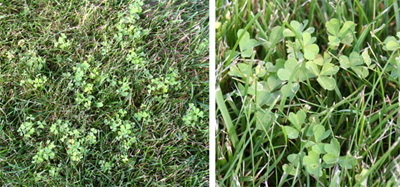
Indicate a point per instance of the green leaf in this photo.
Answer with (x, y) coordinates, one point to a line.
(330, 158)
(313, 68)
(297, 119)
(333, 26)
(273, 82)
(288, 33)
(276, 34)
(264, 119)
(310, 51)
(346, 32)
(319, 148)
(366, 58)
(295, 158)
(291, 132)
(344, 62)
(99, 104)
(391, 44)
(347, 28)
(297, 27)
(347, 162)
(329, 69)
(355, 59)
(333, 148)
(309, 143)
(289, 169)
(327, 83)
(307, 39)
(313, 166)
(318, 131)
(319, 60)
(361, 71)
(355, 62)
(289, 67)
(334, 41)
(284, 74)
(246, 44)
(290, 91)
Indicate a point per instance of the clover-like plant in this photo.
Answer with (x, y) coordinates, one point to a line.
(356, 62)
(392, 43)
(303, 41)
(44, 153)
(323, 69)
(338, 33)
(192, 115)
(62, 42)
(297, 121)
(246, 44)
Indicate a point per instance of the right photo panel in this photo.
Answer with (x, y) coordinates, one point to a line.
(307, 93)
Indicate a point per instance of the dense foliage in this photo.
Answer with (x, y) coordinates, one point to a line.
(103, 93)
(308, 93)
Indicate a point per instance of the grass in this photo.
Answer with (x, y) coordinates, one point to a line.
(276, 128)
(96, 93)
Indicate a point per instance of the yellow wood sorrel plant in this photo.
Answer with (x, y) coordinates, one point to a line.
(268, 83)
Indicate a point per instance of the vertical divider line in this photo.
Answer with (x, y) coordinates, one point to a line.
(212, 82)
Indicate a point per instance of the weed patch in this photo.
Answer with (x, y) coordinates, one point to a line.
(307, 93)
(102, 92)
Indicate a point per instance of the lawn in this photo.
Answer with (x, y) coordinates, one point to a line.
(104, 93)
(308, 93)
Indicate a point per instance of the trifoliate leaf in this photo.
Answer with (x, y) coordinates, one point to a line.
(291, 132)
(313, 166)
(246, 44)
(310, 51)
(297, 119)
(329, 69)
(333, 26)
(333, 148)
(318, 131)
(327, 83)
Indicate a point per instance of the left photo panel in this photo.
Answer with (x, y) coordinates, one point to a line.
(101, 93)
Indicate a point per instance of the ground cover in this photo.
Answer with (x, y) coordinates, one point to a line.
(308, 93)
(103, 93)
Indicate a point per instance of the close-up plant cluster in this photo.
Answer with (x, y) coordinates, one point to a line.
(104, 93)
(308, 93)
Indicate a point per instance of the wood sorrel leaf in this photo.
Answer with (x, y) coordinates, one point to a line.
(318, 132)
(246, 44)
(329, 69)
(347, 162)
(291, 132)
(366, 58)
(319, 148)
(344, 62)
(333, 26)
(284, 74)
(333, 148)
(310, 51)
(327, 83)
(361, 71)
(313, 67)
(289, 169)
(313, 166)
(264, 119)
(290, 66)
(355, 62)
(391, 44)
(330, 158)
(343, 35)
(295, 158)
(297, 119)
